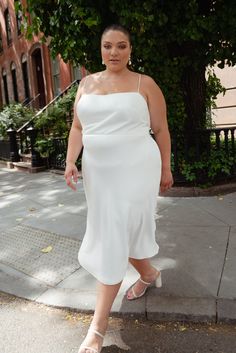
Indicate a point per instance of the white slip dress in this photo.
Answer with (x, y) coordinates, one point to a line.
(121, 168)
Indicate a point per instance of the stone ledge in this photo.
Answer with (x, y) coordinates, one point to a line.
(188, 191)
(226, 311)
(180, 309)
(26, 166)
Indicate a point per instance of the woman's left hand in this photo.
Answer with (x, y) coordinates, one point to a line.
(166, 180)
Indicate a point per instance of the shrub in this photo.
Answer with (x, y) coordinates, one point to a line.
(14, 115)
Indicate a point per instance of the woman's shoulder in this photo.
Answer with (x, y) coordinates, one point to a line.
(92, 76)
(149, 85)
(148, 80)
(88, 79)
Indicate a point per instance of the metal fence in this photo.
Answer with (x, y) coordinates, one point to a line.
(5, 150)
(218, 151)
(57, 158)
(214, 154)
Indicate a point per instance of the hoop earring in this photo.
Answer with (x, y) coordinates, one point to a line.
(130, 62)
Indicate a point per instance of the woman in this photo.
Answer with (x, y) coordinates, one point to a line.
(123, 168)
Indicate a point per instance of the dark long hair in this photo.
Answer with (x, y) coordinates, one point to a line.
(118, 27)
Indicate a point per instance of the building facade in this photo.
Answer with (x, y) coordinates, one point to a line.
(225, 113)
(28, 73)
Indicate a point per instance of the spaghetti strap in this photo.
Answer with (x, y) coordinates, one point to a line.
(139, 80)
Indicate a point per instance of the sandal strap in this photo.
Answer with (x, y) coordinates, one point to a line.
(133, 292)
(91, 349)
(141, 294)
(96, 332)
(141, 280)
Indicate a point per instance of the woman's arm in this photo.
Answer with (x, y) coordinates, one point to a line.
(75, 145)
(159, 126)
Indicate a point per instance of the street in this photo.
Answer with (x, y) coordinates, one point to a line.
(29, 327)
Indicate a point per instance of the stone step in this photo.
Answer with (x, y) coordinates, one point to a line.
(25, 157)
(26, 167)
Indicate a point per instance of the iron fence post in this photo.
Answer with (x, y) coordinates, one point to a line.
(35, 156)
(14, 154)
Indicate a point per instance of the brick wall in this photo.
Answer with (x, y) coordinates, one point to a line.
(29, 51)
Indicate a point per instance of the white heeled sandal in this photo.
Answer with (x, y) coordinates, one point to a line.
(83, 348)
(158, 284)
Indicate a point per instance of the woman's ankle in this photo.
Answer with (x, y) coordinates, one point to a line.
(151, 275)
(100, 325)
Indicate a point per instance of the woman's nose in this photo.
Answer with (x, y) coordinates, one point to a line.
(113, 51)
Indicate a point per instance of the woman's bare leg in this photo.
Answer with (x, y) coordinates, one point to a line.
(105, 298)
(147, 272)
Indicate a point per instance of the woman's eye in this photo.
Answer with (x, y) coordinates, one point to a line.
(122, 46)
(107, 46)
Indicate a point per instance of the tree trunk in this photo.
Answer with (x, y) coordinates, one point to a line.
(194, 88)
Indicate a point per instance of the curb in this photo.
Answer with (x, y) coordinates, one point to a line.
(188, 191)
(151, 307)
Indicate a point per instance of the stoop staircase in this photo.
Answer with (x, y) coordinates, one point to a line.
(23, 155)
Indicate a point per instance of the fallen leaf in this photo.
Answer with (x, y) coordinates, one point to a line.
(47, 249)
(160, 326)
(60, 205)
(32, 209)
(182, 328)
(69, 317)
(212, 329)
(19, 219)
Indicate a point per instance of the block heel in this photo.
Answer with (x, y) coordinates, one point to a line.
(158, 282)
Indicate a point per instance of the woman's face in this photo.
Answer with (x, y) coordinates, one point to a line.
(115, 50)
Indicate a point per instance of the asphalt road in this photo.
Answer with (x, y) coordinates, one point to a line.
(28, 327)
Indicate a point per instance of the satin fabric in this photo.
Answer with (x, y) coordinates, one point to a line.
(121, 168)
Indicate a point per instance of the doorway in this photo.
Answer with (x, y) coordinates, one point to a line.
(38, 78)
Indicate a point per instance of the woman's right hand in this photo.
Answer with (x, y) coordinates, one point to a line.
(71, 175)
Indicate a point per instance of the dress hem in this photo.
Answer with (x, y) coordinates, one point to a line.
(110, 283)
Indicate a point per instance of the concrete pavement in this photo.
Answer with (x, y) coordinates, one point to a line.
(42, 225)
(29, 327)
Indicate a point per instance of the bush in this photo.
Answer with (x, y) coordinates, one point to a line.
(14, 115)
(54, 123)
(209, 168)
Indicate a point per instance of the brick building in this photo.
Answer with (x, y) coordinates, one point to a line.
(27, 71)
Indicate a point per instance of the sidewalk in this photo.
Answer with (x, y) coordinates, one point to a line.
(42, 223)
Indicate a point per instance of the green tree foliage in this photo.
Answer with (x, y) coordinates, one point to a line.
(173, 41)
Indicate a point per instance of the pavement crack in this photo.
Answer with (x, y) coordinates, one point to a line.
(224, 262)
(210, 213)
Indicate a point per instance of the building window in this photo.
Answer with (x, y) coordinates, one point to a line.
(5, 86)
(14, 82)
(56, 76)
(25, 76)
(8, 26)
(18, 16)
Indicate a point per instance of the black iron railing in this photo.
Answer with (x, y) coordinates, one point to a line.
(57, 158)
(5, 150)
(22, 132)
(213, 154)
